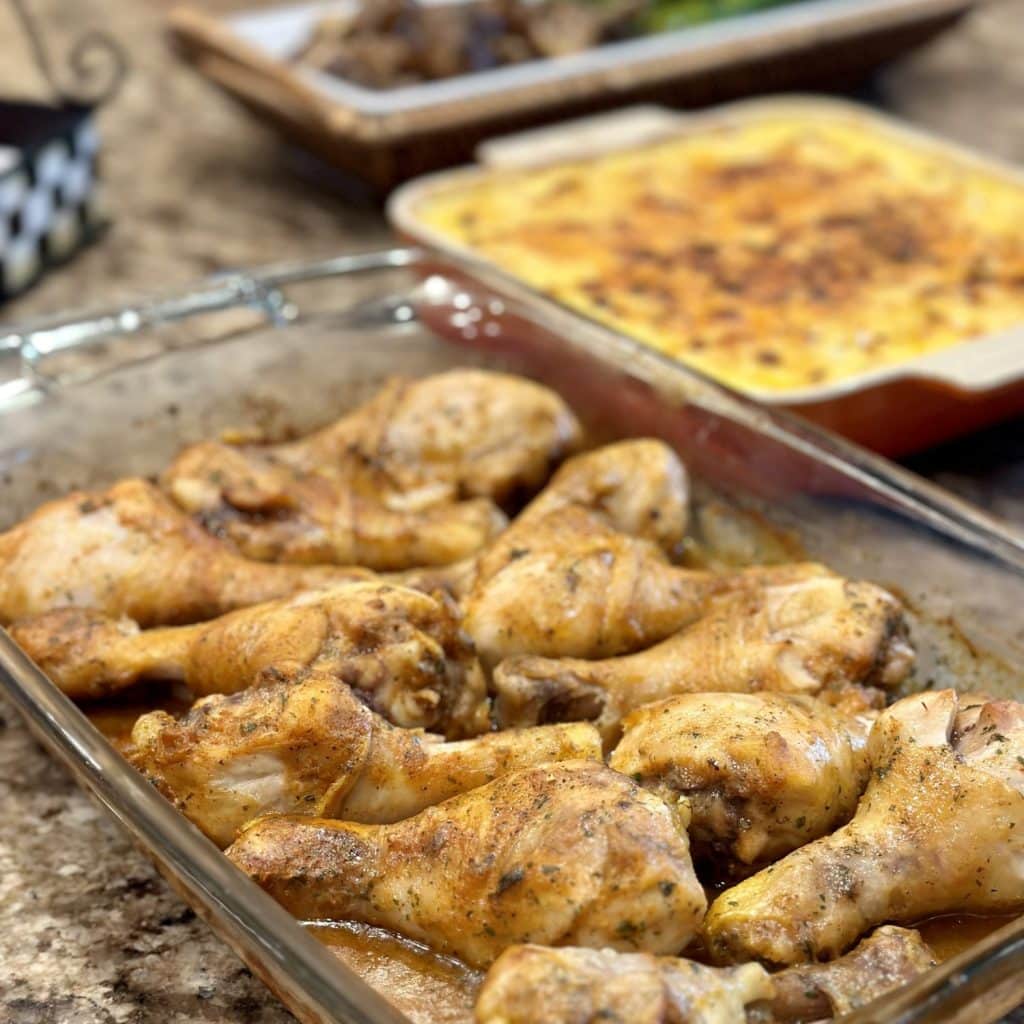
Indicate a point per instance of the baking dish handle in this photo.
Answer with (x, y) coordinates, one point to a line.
(30, 363)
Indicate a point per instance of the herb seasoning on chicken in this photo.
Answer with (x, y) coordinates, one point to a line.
(501, 731)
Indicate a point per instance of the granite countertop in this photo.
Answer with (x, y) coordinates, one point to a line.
(89, 934)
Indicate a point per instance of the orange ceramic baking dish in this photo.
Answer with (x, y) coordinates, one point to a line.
(808, 252)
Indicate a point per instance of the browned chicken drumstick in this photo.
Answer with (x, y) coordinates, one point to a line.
(310, 747)
(280, 515)
(887, 959)
(584, 572)
(569, 853)
(939, 829)
(638, 487)
(402, 650)
(532, 984)
(129, 551)
(572, 985)
(568, 585)
(476, 432)
(813, 634)
(407, 479)
(762, 773)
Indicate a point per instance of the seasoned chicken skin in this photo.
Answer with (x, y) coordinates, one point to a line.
(583, 572)
(568, 585)
(762, 773)
(407, 479)
(129, 551)
(401, 649)
(540, 985)
(409, 770)
(939, 829)
(582, 569)
(570, 853)
(889, 958)
(274, 513)
(638, 487)
(477, 432)
(310, 747)
(805, 636)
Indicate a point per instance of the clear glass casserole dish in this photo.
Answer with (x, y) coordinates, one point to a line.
(89, 399)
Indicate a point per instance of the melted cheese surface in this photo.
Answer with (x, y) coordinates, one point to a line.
(777, 253)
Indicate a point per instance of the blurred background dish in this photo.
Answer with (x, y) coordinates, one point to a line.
(50, 202)
(396, 112)
(394, 43)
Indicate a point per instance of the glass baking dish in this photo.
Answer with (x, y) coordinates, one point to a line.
(86, 399)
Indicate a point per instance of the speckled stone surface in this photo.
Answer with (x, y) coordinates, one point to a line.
(88, 933)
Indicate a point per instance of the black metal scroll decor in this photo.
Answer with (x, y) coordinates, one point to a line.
(96, 63)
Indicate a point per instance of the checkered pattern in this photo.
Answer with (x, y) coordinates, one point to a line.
(48, 205)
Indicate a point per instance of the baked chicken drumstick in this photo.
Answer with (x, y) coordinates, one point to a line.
(410, 478)
(888, 958)
(129, 551)
(568, 853)
(477, 433)
(638, 487)
(311, 747)
(570, 985)
(812, 634)
(275, 514)
(402, 650)
(762, 773)
(939, 829)
(569, 585)
(529, 984)
(583, 570)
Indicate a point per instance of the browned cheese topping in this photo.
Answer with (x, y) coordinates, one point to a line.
(784, 252)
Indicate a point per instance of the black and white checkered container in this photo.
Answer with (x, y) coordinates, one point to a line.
(49, 197)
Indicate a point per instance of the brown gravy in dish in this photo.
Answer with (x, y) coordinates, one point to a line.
(115, 717)
(427, 988)
(953, 933)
